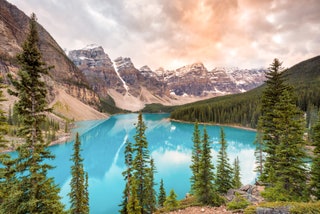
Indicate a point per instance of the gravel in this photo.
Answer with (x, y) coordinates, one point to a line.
(202, 210)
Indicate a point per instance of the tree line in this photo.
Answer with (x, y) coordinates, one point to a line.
(245, 109)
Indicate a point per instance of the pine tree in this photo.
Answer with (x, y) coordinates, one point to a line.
(7, 172)
(204, 186)
(275, 85)
(5, 161)
(127, 176)
(162, 194)
(315, 168)
(133, 205)
(86, 193)
(195, 158)
(141, 166)
(171, 201)
(258, 153)
(289, 170)
(78, 194)
(151, 199)
(9, 192)
(3, 120)
(33, 191)
(224, 171)
(236, 174)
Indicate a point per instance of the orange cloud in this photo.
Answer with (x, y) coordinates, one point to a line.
(169, 33)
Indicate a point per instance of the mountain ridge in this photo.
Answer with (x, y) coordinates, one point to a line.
(169, 87)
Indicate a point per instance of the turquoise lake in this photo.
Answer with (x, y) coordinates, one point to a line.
(170, 146)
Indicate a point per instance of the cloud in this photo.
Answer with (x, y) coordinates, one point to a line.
(170, 33)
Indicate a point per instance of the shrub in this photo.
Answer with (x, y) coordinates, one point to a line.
(238, 202)
(294, 207)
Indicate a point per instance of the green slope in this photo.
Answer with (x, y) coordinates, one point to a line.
(244, 109)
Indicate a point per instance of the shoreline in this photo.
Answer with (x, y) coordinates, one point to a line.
(62, 139)
(216, 124)
(67, 137)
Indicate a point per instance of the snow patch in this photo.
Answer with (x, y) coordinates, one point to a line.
(91, 46)
(83, 58)
(124, 83)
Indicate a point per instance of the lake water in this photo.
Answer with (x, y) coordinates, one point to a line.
(169, 144)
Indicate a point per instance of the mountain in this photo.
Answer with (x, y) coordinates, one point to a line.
(132, 88)
(64, 76)
(244, 109)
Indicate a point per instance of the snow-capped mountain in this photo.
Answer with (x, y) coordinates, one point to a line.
(120, 78)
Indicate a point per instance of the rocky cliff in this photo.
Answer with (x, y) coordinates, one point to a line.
(97, 67)
(14, 27)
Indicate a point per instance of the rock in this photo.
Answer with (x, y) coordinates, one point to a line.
(250, 192)
(96, 65)
(278, 210)
(246, 188)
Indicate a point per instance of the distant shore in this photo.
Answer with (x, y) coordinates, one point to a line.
(66, 137)
(216, 124)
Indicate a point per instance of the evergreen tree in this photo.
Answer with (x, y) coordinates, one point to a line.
(236, 174)
(133, 205)
(9, 192)
(258, 153)
(151, 199)
(86, 193)
(205, 192)
(141, 167)
(33, 191)
(195, 158)
(315, 168)
(79, 194)
(275, 85)
(224, 171)
(127, 176)
(289, 171)
(171, 201)
(5, 162)
(10, 120)
(3, 120)
(162, 194)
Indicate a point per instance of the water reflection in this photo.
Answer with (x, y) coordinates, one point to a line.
(169, 144)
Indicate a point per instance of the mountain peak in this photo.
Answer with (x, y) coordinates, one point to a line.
(145, 68)
(195, 67)
(92, 46)
(123, 62)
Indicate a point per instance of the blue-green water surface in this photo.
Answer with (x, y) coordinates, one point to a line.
(170, 145)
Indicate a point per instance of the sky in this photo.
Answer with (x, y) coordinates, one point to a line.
(174, 33)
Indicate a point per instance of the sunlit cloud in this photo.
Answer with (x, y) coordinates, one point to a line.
(173, 33)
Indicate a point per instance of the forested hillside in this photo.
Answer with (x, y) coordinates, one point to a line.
(244, 109)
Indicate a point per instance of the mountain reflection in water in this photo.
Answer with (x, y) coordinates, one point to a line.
(170, 145)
